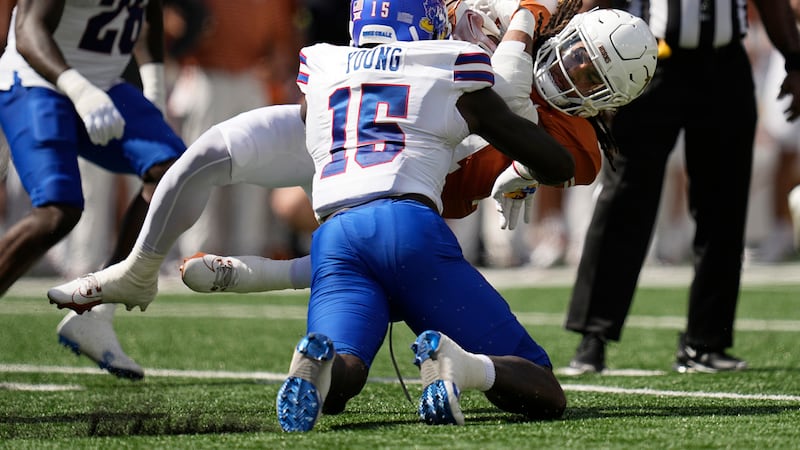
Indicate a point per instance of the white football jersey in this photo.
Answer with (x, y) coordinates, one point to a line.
(383, 121)
(96, 38)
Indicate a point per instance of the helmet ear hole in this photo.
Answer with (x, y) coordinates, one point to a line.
(383, 21)
(601, 60)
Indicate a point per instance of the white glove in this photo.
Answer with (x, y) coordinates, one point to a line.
(101, 118)
(513, 193)
(153, 85)
(498, 11)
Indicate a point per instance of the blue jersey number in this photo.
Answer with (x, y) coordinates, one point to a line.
(377, 141)
(99, 38)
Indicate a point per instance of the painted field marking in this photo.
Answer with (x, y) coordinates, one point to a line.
(40, 387)
(277, 377)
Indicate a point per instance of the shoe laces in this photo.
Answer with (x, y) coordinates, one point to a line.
(225, 276)
(90, 286)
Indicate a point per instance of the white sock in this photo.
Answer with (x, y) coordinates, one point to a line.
(489, 373)
(143, 266)
(523, 20)
(301, 272)
(138, 272)
(468, 370)
(264, 274)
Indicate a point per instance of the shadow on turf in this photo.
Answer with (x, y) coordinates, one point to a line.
(155, 424)
(584, 413)
(129, 424)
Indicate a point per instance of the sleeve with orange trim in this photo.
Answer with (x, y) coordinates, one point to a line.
(474, 178)
(472, 181)
(537, 8)
(577, 135)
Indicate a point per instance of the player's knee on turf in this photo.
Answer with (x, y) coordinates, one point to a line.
(348, 379)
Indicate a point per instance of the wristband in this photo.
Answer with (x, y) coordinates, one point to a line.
(73, 84)
(153, 84)
(792, 61)
(523, 171)
(523, 20)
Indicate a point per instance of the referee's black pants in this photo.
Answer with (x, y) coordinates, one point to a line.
(710, 95)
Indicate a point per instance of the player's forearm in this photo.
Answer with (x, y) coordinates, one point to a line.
(779, 22)
(36, 22)
(520, 139)
(6, 6)
(153, 35)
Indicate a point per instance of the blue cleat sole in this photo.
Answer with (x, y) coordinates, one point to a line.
(434, 404)
(437, 397)
(298, 405)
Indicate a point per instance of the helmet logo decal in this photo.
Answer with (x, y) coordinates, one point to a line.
(435, 20)
(358, 6)
(604, 53)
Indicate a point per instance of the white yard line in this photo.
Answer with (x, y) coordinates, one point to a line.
(277, 377)
(695, 394)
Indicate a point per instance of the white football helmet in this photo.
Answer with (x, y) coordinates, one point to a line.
(602, 59)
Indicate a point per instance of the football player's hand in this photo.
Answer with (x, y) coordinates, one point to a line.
(101, 118)
(791, 88)
(499, 12)
(513, 195)
(510, 205)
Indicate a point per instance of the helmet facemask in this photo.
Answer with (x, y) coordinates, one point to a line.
(602, 60)
(568, 78)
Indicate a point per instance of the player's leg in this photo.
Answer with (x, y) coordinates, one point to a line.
(92, 333)
(45, 156)
(178, 200)
(468, 336)
(147, 149)
(30, 238)
(348, 310)
(204, 272)
(230, 152)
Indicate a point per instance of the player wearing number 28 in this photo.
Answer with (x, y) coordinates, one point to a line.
(61, 96)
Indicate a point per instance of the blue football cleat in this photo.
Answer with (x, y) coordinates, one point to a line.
(300, 398)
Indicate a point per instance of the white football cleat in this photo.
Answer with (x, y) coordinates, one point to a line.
(794, 208)
(204, 272)
(92, 335)
(110, 285)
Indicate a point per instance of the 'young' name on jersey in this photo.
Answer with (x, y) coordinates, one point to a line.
(379, 58)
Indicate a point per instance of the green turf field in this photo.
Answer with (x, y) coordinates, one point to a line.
(214, 364)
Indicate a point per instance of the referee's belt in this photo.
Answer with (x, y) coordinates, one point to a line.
(664, 50)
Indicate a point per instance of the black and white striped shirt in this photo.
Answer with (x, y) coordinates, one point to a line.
(692, 24)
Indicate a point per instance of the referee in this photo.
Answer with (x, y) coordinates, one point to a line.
(703, 85)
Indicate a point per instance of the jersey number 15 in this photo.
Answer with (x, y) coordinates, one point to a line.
(378, 138)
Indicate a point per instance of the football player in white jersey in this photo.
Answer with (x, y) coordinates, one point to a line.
(61, 96)
(233, 152)
(382, 123)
